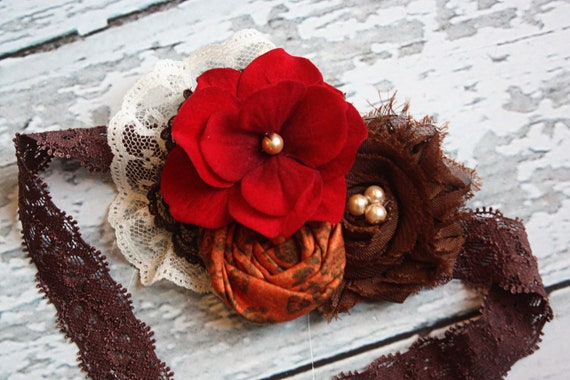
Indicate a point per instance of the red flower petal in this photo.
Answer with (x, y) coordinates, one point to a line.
(189, 198)
(268, 109)
(280, 185)
(225, 78)
(219, 171)
(190, 122)
(275, 66)
(228, 150)
(331, 208)
(357, 133)
(273, 226)
(270, 227)
(334, 89)
(316, 132)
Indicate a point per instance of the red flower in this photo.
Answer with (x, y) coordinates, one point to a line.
(268, 147)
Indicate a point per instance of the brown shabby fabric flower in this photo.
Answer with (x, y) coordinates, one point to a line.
(418, 241)
(274, 280)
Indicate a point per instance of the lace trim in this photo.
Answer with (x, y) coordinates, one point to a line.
(93, 311)
(139, 152)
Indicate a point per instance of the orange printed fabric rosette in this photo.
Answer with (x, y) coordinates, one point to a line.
(274, 280)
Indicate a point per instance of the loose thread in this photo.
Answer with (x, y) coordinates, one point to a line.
(133, 277)
(311, 345)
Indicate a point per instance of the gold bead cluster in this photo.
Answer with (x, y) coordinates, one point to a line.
(370, 204)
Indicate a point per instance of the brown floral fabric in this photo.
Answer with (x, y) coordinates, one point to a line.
(418, 243)
(274, 280)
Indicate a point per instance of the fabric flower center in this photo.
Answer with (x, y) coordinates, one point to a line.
(370, 205)
(272, 144)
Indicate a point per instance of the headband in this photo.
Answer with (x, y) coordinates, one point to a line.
(239, 171)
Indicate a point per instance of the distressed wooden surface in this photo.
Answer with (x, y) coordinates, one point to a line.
(498, 72)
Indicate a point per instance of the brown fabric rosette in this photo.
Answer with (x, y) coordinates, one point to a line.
(416, 246)
(274, 280)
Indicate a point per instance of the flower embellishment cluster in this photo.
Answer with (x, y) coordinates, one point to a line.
(293, 202)
(267, 147)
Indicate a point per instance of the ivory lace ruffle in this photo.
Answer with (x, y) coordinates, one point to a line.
(139, 153)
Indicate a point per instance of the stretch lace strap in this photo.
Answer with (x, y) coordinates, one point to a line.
(93, 311)
(497, 258)
(96, 313)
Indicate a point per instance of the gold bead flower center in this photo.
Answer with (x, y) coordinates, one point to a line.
(370, 204)
(272, 144)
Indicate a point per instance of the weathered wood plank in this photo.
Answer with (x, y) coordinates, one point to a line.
(468, 63)
(28, 24)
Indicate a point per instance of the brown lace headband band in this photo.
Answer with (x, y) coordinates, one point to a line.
(95, 312)
(241, 172)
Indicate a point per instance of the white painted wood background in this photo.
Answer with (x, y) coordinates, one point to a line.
(497, 71)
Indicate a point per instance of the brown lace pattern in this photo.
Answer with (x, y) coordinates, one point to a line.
(93, 310)
(96, 313)
(184, 236)
(496, 256)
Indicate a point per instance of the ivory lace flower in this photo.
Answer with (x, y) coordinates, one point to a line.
(139, 149)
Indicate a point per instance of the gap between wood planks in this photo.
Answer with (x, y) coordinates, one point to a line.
(424, 331)
(68, 38)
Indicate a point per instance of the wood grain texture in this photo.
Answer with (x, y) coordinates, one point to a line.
(29, 26)
(496, 71)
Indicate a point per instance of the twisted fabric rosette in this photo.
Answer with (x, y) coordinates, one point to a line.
(274, 280)
(423, 192)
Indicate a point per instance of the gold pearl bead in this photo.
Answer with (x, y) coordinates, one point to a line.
(357, 204)
(375, 214)
(272, 144)
(375, 194)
